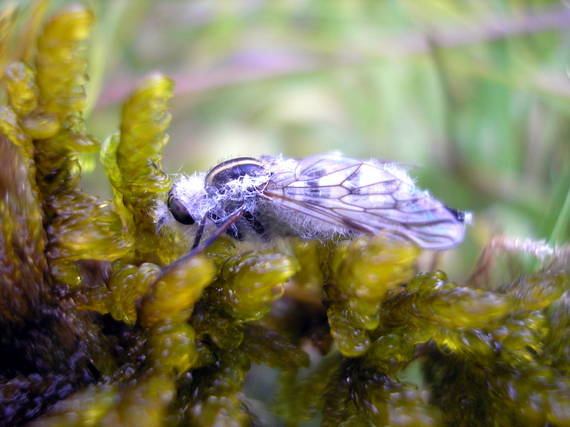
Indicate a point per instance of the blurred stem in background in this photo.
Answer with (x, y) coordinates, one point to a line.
(111, 16)
(559, 231)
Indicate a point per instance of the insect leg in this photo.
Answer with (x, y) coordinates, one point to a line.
(223, 227)
(220, 219)
(254, 222)
(234, 232)
(199, 233)
(228, 222)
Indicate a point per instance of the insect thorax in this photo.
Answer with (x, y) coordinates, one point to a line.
(234, 169)
(236, 184)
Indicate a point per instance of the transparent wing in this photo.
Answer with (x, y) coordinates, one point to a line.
(366, 196)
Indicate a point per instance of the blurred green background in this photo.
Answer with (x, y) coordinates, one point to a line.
(475, 95)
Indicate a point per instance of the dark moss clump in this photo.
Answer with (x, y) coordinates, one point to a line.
(96, 330)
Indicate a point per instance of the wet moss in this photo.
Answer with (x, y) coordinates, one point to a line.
(112, 331)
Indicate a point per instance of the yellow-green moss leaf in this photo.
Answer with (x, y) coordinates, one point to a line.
(128, 284)
(173, 296)
(144, 121)
(21, 88)
(61, 63)
(251, 282)
(173, 347)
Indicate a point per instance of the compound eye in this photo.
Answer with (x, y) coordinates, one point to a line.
(179, 211)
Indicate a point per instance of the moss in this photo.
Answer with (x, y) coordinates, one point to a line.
(249, 283)
(113, 331)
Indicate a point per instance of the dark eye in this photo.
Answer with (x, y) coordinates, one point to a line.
(179, 211)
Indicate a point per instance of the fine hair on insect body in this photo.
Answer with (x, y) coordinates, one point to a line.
(318, 197)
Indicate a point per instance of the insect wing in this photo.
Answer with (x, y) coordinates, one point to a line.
(366, 196)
